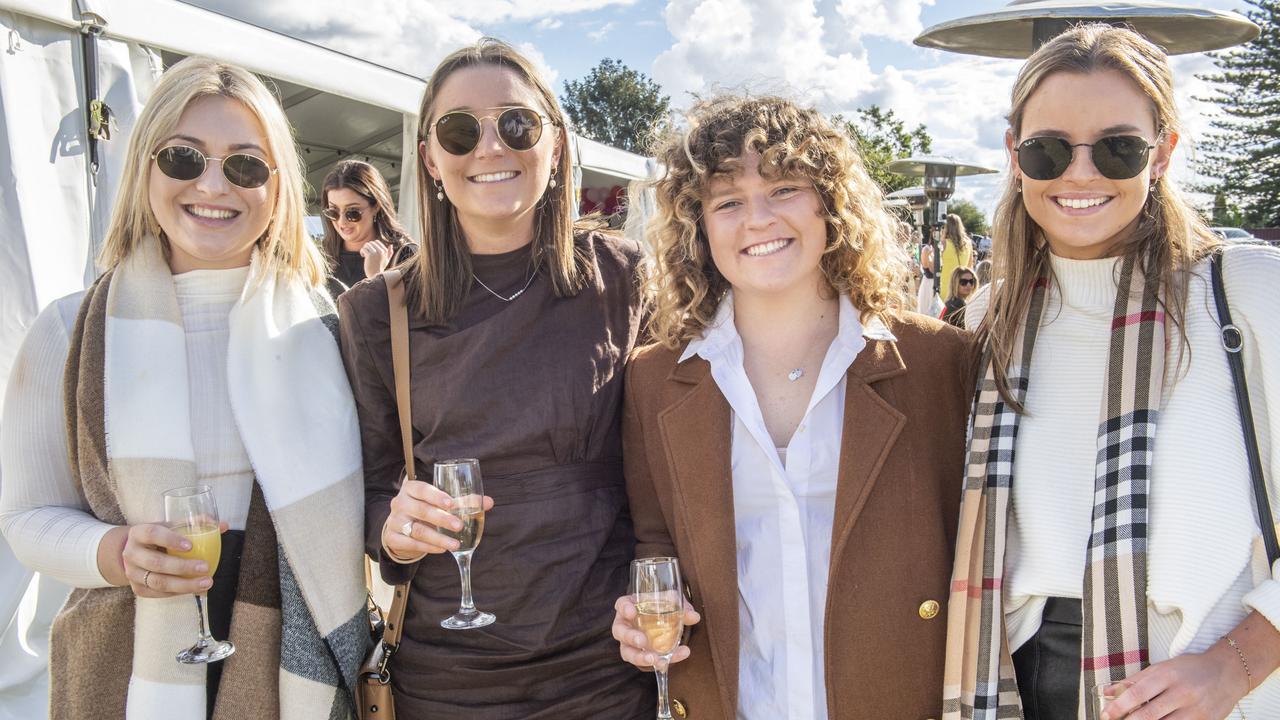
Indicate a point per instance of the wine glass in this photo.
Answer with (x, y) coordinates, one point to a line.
(461, 480)
(191, 512)
(659, 599)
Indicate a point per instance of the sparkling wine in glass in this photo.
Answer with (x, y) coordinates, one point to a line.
(658, 596)
(461, 480)
(192, 513)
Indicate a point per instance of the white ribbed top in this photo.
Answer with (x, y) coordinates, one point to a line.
(1206, 570)
(42, 513)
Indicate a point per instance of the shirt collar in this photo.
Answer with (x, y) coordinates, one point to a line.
(722, 333)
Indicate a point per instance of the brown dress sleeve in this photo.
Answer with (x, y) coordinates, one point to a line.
(379, 429)
(653, 537)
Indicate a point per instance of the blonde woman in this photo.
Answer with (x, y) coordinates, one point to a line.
(1109, 546)
(957, 251)
(204, 354)
(520, 324)
(785, 437)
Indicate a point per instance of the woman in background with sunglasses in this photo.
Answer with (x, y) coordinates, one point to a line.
(963, 283)
(520, 323)
(1109, 546)
(363, 236)
(203, 355)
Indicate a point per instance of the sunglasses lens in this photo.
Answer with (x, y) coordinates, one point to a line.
(247, 171)
(330, 213)
(457, 133)
(520, 128)
(353, 215)
(1044, 158)
(181, 162)
(1120, 157)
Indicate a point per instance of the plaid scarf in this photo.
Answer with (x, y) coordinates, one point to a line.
(979, 682)
(298, 619)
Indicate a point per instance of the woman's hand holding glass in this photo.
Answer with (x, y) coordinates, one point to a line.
(152, 572)
(635, 645)
(421, 508)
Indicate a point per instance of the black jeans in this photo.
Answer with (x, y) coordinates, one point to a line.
(220, 599)
(1048, 665)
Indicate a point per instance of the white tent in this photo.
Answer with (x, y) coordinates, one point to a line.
(54, 206)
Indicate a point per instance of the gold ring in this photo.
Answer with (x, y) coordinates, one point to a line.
(146, 579)
(407, 528)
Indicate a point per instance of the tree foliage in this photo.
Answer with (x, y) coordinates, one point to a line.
(615, 105)
(881, 137)
(975, 223)
(1242, 152)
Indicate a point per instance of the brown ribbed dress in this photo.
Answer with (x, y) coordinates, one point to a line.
(533, 388)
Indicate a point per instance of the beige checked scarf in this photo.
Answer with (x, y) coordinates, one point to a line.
(298, 620)
(979, 681)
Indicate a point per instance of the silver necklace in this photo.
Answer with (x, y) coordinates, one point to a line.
(513, 297)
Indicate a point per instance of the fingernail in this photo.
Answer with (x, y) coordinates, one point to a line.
(455, 544)
(649, 659)
(185, 545)
(206, 582)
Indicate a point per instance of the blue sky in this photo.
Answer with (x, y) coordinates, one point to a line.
(837, 55)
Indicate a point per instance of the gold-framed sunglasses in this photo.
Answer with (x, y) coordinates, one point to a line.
(519, 128)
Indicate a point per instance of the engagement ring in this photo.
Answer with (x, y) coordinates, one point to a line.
(407, 528)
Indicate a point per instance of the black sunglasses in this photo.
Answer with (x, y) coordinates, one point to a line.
(967, 281)
(1118, 157)
(182, 162)
(519, 128)
(351, 215)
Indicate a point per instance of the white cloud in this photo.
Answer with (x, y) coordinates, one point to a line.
(898, 20)
(548, 24)
(602, 32)
(769, 45)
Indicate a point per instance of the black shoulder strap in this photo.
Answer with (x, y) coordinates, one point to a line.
(1233, 343)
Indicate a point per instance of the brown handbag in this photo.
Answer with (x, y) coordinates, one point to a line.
(373, 684)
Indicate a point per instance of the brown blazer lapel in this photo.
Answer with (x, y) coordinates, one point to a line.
(871, 426)
(697, 434)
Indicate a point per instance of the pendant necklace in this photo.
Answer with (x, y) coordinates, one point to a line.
(795, 374)
(504, 298)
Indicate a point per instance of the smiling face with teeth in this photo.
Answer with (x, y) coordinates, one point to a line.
(209, 222)
(766, 235)
(494, 190)
(1083, 214)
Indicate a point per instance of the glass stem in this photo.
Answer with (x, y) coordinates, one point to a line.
(202, 611)
(464, 569)
(660, 670)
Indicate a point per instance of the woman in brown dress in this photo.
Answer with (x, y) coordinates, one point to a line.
(520, 324)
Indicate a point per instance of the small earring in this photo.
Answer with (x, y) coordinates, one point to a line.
(440, 191)
(552, 184)
(1019, 185)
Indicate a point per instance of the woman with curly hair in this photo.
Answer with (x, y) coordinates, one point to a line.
(782, 437)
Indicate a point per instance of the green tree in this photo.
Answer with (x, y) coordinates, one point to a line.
(615, 105)
(975, 223)
(881, 137)
(1242, 152)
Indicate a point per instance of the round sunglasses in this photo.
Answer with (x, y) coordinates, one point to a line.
(182, 162)
(1118, 157)
(351, 215)
(519, 128)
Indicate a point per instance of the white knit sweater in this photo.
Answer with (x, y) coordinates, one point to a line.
(1207, 569)
(42, 513)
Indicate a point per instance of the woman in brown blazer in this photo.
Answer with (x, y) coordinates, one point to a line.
(794, 437)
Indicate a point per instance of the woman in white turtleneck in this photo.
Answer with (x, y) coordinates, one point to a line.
(1109, 563)
(204, 355)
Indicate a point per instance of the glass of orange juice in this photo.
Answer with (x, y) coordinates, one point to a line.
(191, 512)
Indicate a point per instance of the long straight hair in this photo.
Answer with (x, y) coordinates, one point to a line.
(954, 234)
(439, 277)
(1170, 235)
(364, 180)
(285, 246)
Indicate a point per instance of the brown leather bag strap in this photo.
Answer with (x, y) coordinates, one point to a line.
(400, 369)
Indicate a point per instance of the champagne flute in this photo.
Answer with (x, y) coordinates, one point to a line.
(191, 512)
(461, 480)
(659, 599)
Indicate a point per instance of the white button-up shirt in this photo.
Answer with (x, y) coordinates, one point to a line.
(784, 506)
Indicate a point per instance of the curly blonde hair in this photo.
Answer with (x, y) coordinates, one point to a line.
(862, 259)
